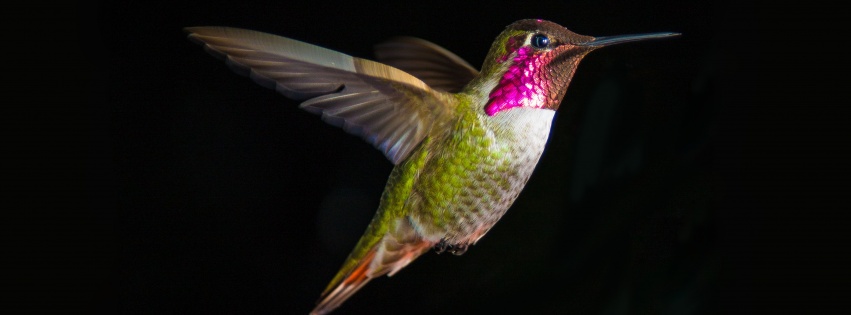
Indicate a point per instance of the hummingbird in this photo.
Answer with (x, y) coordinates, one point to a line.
(463, 142)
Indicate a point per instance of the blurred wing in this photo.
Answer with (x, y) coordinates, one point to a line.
(389, 108)
(436, 66)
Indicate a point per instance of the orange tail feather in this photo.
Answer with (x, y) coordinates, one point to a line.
(388, 255)
(332, 299)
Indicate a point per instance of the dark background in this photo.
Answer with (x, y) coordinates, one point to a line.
(230, 199)
(204, 193)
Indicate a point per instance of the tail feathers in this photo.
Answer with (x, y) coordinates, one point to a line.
(390, 255)
(351, 284)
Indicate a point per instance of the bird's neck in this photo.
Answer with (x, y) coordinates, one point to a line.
(517, 78)
(513, 123)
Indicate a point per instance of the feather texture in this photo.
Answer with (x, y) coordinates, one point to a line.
(390, 254)
(389, 108)
(436, 66)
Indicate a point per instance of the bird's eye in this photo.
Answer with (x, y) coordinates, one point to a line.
(540, 41)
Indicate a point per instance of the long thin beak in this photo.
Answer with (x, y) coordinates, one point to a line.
(598, 42)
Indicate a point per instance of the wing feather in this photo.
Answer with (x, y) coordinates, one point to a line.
(436, 66)
(389, 108)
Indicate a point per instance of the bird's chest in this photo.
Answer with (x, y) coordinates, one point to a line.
(470, 182)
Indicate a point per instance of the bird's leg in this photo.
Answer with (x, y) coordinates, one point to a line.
(454, 249)
(440, 247)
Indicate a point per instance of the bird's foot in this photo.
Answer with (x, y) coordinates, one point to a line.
(454, 249)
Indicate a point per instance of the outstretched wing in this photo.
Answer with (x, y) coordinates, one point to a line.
(389, 108)
(436, 66)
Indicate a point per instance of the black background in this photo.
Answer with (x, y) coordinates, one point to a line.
(203, 192)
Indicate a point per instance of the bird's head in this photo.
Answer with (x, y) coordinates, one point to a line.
(531, 63)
